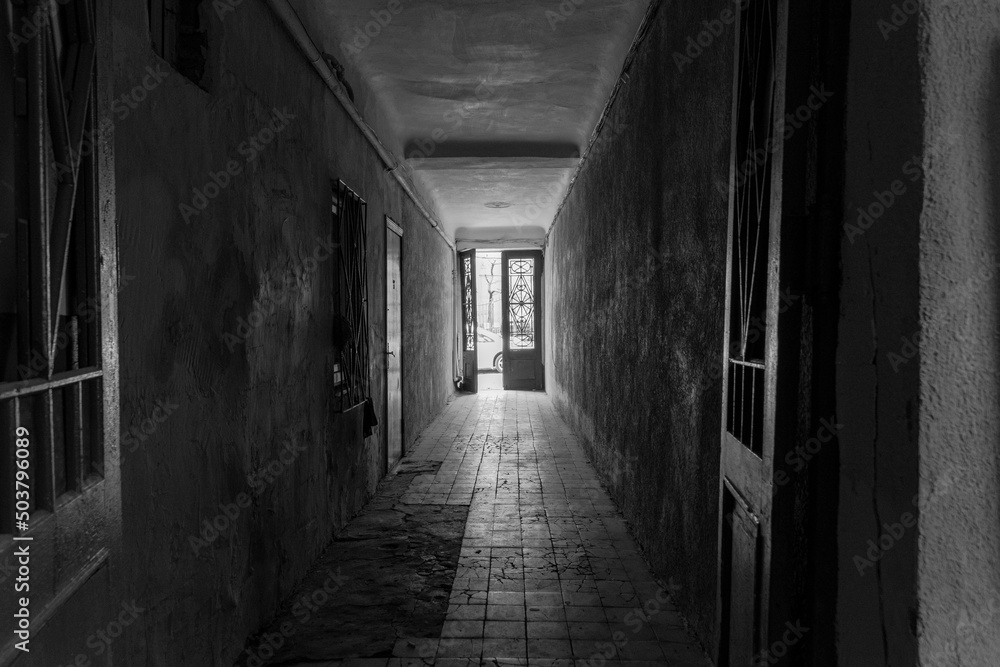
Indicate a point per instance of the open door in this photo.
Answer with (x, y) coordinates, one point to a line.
(60, 492)
(393, 342)
(750, 546)
(467, 267)
(521, 286)
(776, 541)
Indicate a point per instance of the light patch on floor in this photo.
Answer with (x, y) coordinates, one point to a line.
(490, 381)
(547, 574)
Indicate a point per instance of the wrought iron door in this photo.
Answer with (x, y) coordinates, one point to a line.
(747, 538)
(467, 273)
(60, 497)
(521, 286)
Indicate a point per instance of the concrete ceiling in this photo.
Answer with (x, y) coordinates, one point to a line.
(490, 102)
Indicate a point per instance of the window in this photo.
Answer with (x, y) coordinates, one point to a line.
(521, 303)
(178, 37)
(755, 109)
(350, 298)
(58, 380)
(50, 355)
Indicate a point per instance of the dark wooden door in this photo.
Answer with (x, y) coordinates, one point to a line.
(521, 288)
(467, 269)
(393, 341)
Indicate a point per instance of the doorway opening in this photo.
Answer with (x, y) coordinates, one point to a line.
(489, 318)
(501, 313)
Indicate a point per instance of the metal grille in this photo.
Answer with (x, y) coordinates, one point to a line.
(470, 330)
(755, 137)
(352, 297)
(521, 299)
(51, 377)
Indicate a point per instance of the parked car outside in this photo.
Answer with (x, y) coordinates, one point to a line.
(489, 350)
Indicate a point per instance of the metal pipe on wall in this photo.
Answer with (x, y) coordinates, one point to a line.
(290, 19)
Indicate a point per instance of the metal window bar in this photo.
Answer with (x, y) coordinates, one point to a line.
(351, 211)
(751, 215)
(55, 388)
(521, 303)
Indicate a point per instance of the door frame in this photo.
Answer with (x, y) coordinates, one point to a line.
(746, 485)
(792, 504)
(391, 227)
(510, 356)
(81, 533)
(467, 278)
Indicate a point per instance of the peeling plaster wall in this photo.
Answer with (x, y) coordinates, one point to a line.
(428, 324)
(959, 427)
(634, 293)
(231, 395)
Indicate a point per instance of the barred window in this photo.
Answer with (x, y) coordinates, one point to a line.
(351, 291)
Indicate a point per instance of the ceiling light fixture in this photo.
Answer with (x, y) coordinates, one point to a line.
(497, 204)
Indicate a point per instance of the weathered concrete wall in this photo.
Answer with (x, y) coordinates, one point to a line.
(226, 324)
(959, 425)
(876, 399)
(635, 286)
(428, 324)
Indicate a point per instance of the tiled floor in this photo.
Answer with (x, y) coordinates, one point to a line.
(548, 574)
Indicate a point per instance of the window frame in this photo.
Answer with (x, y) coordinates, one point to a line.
(65, 221)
